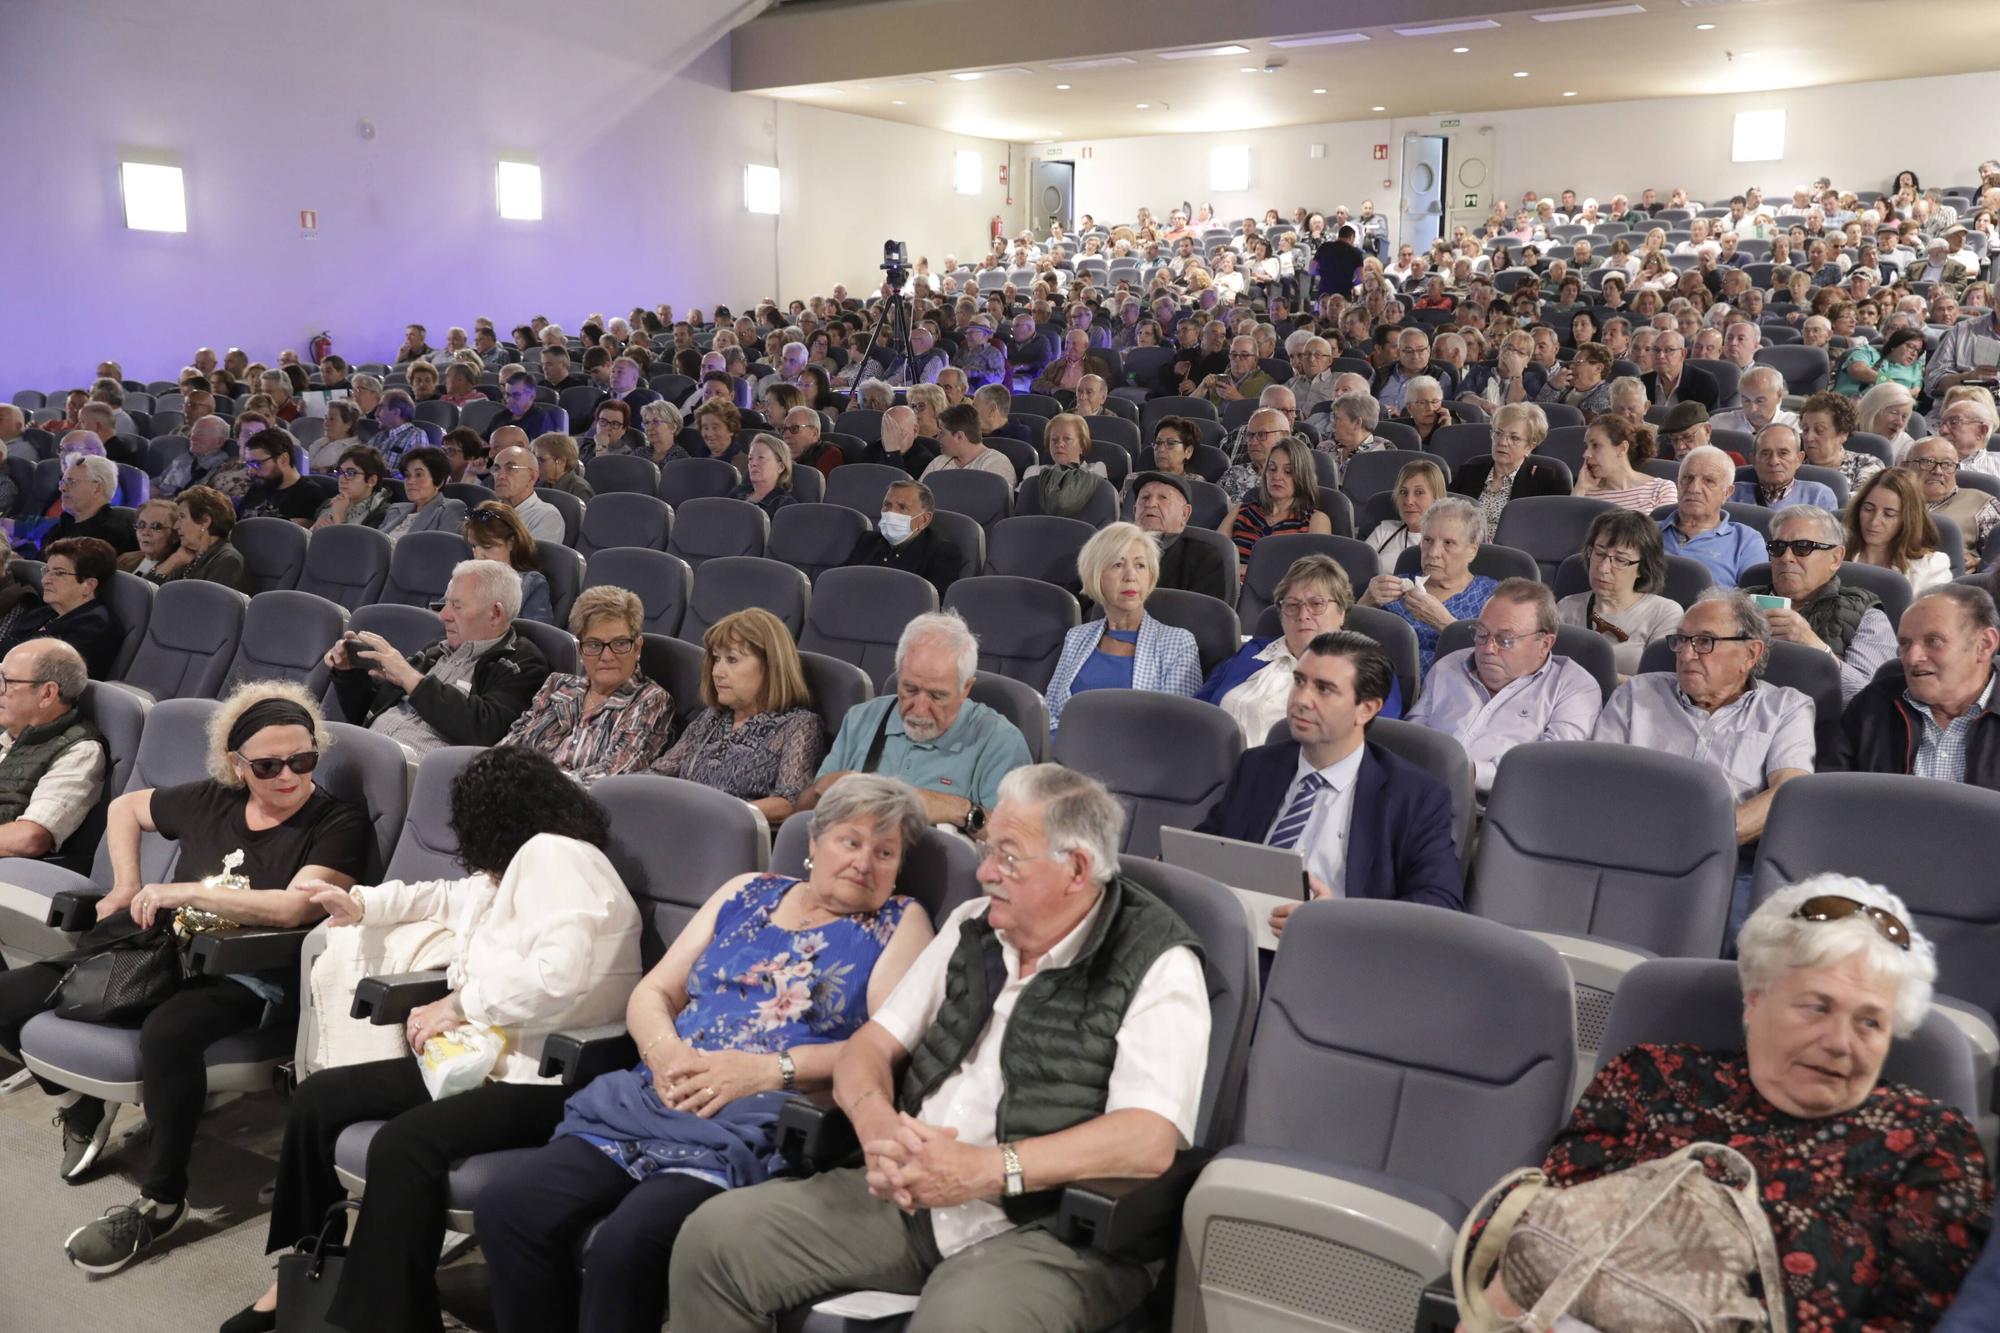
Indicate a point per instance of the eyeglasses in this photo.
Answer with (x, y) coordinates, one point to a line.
(350, 473)
(1954, 422)
(1934, 464)
(1504, 640)
(57, 572)
(1294, 607)
(1799, 547)
(515, 467)
(1701, 644)
(9, 682)
(1602, 556)
(148, 525)
(1010, 863)
(302, 763)
(618, 646)
(1833, 907)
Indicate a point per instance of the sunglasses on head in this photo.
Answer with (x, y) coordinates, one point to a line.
(302, 763)
(1833, 907)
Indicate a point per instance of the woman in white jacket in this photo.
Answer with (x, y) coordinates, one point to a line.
(545, 938)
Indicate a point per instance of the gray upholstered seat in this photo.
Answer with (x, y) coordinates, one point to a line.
(420, 569)
(285, 637)
(273, 550)
(813, 538)
(619, 518)
(733, 582)
(346, 564)
(190, 640)
(663, 583)
(1549, 527)
(711, 527)
(1165, 758)
(858, 614)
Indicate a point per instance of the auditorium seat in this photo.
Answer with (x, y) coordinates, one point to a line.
(420, 567)
(346, 564)
(814, 538)
(1101, 508)
(1274, 556)
(736, 582)
(1019, 622)
(862, 486)
(1375, 472)
(984, 497)
(615, 474)
(1687, 579)
(1212, 621)
(285, 637)
(686, 479)
(857, 614)
(1166, 758)
(663, 583)
(563, 568)
(273, 551)
(131, 601)
(616, 518)
(1038, 546)
(569, 506)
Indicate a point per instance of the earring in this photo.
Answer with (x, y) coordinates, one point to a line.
(809, 863)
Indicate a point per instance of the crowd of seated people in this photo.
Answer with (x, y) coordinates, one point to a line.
(1319, 356)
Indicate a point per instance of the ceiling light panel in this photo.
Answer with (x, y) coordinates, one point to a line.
(1203, 51)
(1437, 29)
(1325, 39)
(1102, 62)
(1600, 12)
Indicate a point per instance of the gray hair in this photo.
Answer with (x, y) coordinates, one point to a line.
(1422, 382)
(59, 664)
(1775, 426)
(944, 627)
(1750, 622)
(491, 581)
(1706, 453)
(874, 799)
(1763, 375)
(370, 382)
(102, 471)
(1078, 814)
(1459, 510)
(662, 410)
(1298, 339)
(1826, 527)
(1360, 408)
(1976, 603)
(1773, 941)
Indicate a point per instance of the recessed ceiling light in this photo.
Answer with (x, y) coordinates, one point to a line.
(1751, 55)
(897, 102)
(1378, 108)
(1319, 92)
(1062, 87)
(968, 76)
(1201, 51)
(1326, 39)
(1571, 94)
(1460, 50)
(1520, 73)
(1438, 29)
(1249, 69)
(1704, 27)
(1143, 105)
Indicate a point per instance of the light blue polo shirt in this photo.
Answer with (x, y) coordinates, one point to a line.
(1727, 549)
(969, 760)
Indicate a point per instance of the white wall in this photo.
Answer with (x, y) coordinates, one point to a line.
(1859, 134)
(641, 166)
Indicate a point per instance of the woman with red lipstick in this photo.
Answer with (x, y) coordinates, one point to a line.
(1126, 649)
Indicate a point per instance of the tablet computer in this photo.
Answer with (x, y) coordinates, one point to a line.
(1261, 877)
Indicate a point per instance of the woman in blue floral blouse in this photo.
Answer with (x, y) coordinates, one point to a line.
(755, 999)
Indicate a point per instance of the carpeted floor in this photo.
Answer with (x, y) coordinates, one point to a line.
(209, 1269)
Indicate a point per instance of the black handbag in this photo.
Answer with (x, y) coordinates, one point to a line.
(120, 980)
(308, 1277)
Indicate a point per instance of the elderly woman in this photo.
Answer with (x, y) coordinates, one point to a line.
(1447, 590)
(1511, 471)
(466, 457)
(1613, 452)
(1255, 685)
(76, 571)
(1174, 441)
(720, 1046)
(1899, 360)
(342, 416)
(1070, 477)
(423, 377)
(1825, 422)
(661, 422)
(360, 499)
(1507, 380)
(154, 529)
(1586, 382)
(718, 421)
(203, 519)
(610, 719)
(1627, 566)
(1353, 419)
(495, 532)
(1126, 649)
(1419, 485)
(425, 508)
(260, 807)
(768, 480)
(757, 738)
(1889, 527)
(544, 938)
(1877, 1195)
(557, 455)
(1287, 501)
(1885, 410)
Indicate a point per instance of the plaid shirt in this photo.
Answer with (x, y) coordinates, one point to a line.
(625, 735)
(1941, 750)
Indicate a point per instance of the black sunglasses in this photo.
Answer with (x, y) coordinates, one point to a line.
(1833, 907)
(302, 763)
(1798, 546)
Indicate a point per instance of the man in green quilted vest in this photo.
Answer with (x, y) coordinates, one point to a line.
(1806, 547)
(51, 758)
(1055, 1030)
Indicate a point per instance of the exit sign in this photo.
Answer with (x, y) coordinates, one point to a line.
(1471, 201)
(1448, 124)
(1381, 152)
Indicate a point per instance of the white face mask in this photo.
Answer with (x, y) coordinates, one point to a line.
(894, 527)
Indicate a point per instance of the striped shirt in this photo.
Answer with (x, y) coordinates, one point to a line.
(1941, 749)
(626, 734)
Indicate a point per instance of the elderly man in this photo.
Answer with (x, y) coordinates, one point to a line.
(791, 364)
(1714, 708)
(801, 430)
(972, 1114)
(1090, 396)
(556, 371)
(465, 689)
(904, 539)
(1312, 385)
(1936, 463)
(100, 420)
(1244, 378)
(518, 393)
(955, 385)
(1806, 547)
(931, 734)
(207, 454)
(1672, 380)
(396, 416)
(1777, 458)
(1761, 393)
(901, 445)
(961, 445)
(625, 386)
(1391, 384)
(1968, 422)
(87, 489)
(1685, 428)
(514, 471)
(13, 422)
(1509, 687)
(1968, 350)
(52, 759)
(1162, 504)
(1931, 714)
(1362, 817)
(1700, 528)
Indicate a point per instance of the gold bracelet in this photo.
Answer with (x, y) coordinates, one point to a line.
(651, 1044)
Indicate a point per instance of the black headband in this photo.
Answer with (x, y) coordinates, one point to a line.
(270, 713)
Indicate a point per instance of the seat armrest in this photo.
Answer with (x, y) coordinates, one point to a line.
(1130, 1219)
(578, 1057)
(1437, 1308)
(815, 1135)
(74, 909)
(385, 1000)
(228, 952)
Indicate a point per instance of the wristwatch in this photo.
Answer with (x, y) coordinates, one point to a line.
(974, 823)
(1010, 1161)
(788, 1073)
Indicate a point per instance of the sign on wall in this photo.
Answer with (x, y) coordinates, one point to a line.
(1471, 200)
(1381, 152)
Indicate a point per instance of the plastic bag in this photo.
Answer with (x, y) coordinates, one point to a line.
(459, 1060)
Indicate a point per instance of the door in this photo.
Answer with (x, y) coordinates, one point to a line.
(1425, 160)
(1051, 192)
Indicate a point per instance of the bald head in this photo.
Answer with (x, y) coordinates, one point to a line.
(899, 428)
(507, 437)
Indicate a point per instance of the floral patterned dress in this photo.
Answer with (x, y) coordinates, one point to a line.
(1879, 1213)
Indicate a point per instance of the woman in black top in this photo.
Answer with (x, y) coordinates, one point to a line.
(260, 803)
(69, 606)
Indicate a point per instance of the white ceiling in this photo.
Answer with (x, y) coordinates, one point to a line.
(1658, 52)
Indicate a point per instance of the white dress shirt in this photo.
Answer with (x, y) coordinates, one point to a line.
(1259, 702)
(1323, 844)
(1162, 1052)
(1558, 701)
(69, 787)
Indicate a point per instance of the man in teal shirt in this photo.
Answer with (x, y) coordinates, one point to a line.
(931, 734)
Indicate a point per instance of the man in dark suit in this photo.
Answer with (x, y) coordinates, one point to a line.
(1673, 380)
(1513, 455)
(1364, 818)
(904, 539)
(1163, 503)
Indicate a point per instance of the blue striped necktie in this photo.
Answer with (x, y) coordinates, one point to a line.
(1297, 814)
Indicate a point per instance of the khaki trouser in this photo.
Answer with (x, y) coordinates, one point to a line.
(748, 1255)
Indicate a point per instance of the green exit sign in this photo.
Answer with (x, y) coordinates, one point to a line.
(1471, 201)
(1448, 124)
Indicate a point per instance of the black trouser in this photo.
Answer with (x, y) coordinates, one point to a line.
(389, 1281)
(173, 1073)
(530, 1223)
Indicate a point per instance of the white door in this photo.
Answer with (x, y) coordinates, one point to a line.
(1424, 183)
(1050, 195)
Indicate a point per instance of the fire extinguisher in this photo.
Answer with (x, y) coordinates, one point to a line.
(997, 225)
(320, 345)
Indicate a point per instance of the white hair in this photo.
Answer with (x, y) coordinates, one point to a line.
(1078, 814)
(1826, 527)
(1773, 941)
(1764, 375)
(102, 471)
(490, 581)
(946, 628)
(1707, 453)
(1456, 509)
(1422, 382)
